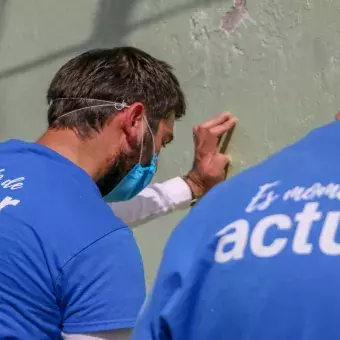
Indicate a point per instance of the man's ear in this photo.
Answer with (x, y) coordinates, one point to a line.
(132, 122)
(337, 116)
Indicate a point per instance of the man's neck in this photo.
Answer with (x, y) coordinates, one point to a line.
(85, 154)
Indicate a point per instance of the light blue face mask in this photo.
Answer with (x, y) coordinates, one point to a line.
(139, 176)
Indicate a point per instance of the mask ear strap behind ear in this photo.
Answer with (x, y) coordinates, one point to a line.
(153, 137)
(117, 106)
(142, 144)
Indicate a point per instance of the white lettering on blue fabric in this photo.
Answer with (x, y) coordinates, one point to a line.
(9, 184)
(240, 235)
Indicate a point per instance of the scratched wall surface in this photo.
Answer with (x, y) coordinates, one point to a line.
(274, 63)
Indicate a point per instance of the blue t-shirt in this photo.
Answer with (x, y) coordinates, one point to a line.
(258, 258)
(67, 264)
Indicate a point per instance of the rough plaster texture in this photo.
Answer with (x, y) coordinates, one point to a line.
(276, 66)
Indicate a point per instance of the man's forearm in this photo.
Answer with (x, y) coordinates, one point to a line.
(156, 200)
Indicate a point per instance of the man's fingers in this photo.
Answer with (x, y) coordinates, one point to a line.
(216, 130)
(226, 168)
(207, 139)
(337, 116)
(220, 119)
(223, 162)
(222, 128)
(200, 134)
(224, 159)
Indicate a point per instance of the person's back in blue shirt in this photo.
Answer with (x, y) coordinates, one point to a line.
(66, 262)
(258, 257)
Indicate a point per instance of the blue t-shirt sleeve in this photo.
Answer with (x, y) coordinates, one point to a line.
(166, 313)
(102, 287)
(170, 311)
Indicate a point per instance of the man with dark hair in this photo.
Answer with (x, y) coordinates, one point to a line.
(258, 257)
(68, 265)
(180, 192)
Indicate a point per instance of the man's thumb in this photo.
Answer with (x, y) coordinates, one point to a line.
(223, 159)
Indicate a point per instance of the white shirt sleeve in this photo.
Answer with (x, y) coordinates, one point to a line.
(156, 200)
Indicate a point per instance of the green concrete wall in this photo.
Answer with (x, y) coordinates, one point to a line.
(278, 72)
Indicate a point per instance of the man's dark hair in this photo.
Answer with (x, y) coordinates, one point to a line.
(123, 74)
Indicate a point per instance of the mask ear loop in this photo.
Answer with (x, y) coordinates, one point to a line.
(92, 99)
(142, 144)
(152, 136)
(117, 106)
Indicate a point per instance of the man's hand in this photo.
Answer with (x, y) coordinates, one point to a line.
(210, 166)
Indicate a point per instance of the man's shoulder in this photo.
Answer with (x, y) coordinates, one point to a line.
(48, 188)
(83, 225)
(58, 200)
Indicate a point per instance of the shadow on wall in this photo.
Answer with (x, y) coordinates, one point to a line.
(111, 28)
